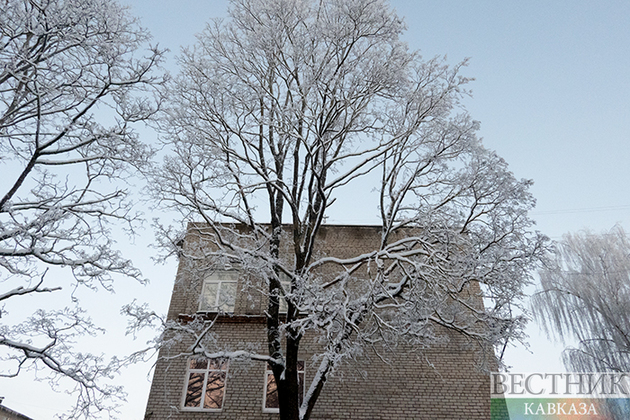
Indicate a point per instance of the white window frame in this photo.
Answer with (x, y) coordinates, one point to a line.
(221, 278)
(223, 369)
(285, 282)
(269, 372)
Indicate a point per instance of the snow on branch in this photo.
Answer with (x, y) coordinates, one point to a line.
(74, 77)
(287, 106)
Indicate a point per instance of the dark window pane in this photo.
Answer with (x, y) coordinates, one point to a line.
(218, 364)
(301, 385)
(271, 400)
(214, 390)
(198, 364)
(194, 390)
(206, 389)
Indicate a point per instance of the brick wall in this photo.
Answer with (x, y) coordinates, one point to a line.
(440, 382)
(8, 414)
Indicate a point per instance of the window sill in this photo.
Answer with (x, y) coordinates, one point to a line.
(201, 410)
(271, 410)
(223, 318)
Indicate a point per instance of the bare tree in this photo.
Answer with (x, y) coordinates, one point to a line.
(70, 72)
(586, 296)
(284, 107)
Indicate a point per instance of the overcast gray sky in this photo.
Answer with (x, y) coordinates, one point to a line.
(553, 97)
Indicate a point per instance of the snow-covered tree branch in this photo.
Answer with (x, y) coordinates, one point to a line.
(71, 82)
(283, 108)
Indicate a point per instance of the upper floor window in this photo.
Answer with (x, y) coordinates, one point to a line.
(271, 403)
(285, 282)
(218, 293)
(205, 384)
(286, 285)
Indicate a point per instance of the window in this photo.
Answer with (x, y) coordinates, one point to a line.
(286, 285)
(205, 384)
(271, 403)
(218, 293)
(285, 281)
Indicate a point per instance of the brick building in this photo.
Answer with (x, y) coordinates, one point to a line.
(7, 414)
(439, 382)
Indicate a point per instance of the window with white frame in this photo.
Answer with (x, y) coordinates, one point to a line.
(218, 293)
(271, 403)
(285, 281)
(286, 285)
(205, 384)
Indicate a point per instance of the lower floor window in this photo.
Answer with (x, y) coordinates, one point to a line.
(205, 384)
(271, 403)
